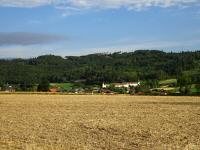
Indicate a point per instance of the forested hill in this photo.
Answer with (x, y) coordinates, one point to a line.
(98, 68)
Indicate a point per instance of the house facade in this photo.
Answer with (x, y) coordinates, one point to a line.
(122, 85)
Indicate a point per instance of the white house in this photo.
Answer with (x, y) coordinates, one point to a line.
(120, 85)
(105, 85)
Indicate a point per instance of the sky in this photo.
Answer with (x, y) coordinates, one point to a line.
(29, 28)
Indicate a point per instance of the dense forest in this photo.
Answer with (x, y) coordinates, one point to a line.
(140, 65)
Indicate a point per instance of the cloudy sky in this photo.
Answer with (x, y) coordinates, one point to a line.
(29, 28)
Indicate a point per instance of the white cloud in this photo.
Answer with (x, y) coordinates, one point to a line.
(28, 51)
(97, 4)
(26, 38)
(24, 3)
(18, 51)
(167, 45)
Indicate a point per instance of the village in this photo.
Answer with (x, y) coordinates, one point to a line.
(133, 88)
(106, 88)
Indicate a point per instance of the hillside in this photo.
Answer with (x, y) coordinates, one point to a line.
(98, 68)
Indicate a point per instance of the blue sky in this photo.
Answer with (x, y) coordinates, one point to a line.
(80, 27)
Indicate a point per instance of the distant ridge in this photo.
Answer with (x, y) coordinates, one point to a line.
(101, 67)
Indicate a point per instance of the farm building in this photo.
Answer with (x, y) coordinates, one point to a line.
(53, 89)
(9, 88)
(121, 85)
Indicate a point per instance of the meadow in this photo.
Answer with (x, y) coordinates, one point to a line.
(62, 122)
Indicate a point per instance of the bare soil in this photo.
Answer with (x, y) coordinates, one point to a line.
(62, 122)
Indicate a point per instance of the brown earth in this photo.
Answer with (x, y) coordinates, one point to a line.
(59, 122)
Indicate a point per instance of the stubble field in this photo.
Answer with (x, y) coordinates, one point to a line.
(58, 122)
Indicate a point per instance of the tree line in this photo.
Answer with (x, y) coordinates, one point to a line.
(143, 65)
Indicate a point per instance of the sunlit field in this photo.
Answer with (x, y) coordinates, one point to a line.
(62, 122)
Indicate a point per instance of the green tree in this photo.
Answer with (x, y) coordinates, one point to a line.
(184, 82)
(43, 85)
